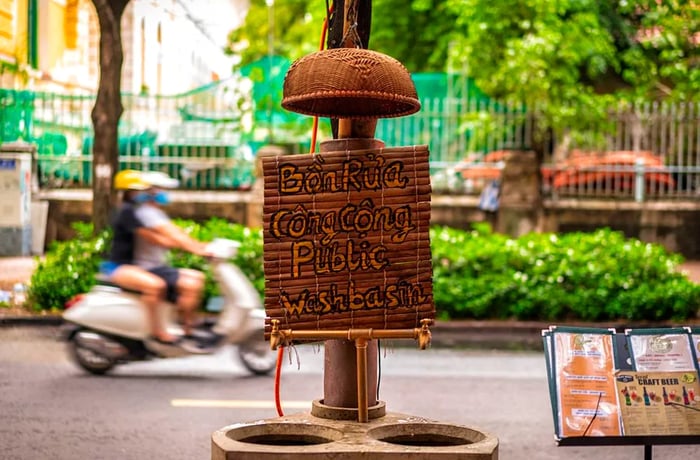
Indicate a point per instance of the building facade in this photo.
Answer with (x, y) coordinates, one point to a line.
(170, 46)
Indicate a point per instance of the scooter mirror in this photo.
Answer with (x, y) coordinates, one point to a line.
(222, 248)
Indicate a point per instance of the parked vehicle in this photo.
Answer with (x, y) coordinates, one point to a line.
(617, 170)
(109, 325)
(611, 172)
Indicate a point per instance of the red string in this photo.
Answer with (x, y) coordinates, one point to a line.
(278, 374)
(314, 132)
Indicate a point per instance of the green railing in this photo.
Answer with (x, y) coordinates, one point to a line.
(208, 139)
(201, 136)
(196, 136)
(218, 167)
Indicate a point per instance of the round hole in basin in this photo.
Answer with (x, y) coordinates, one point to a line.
(425, 440)
(284, 434)
(426, 435)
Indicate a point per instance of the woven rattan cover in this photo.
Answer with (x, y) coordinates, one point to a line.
(349, 83)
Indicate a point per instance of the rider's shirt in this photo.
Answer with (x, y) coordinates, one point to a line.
(124, 235)
(148, 255)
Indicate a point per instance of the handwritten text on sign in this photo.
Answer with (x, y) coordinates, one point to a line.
(347, 239)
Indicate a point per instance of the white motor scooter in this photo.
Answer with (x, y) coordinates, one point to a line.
(109, 325)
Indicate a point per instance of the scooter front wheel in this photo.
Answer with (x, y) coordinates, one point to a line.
(89, 359)
(256, 355)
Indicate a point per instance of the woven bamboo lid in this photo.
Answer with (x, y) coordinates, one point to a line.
(349, 83)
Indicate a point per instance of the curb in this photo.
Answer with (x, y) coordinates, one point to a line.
(522, 335)
(445, 334)
(43, 320)
(493, 334)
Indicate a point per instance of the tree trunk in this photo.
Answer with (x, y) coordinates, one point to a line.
(335, 26)
(107, 111)
(543, 143)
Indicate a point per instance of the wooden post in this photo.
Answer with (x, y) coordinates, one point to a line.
(345, 124)
(340, 375)
(341, 380)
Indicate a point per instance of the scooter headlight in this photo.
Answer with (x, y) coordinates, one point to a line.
(222, 248)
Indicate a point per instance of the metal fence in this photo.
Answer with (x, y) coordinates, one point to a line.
(643, 152)
(640, 152)
(196, 136)
(463, 134)
(646, 151)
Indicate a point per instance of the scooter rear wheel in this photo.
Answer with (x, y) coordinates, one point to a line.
(90, 360)
(256, 355)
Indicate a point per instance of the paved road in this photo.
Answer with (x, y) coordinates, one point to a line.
(50, 409)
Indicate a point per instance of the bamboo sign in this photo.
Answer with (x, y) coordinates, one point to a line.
(346, 238)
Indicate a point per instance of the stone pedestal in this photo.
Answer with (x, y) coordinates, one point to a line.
(394, 436)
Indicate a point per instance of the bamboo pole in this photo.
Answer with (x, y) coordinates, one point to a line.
(421, 334)
(362, 399)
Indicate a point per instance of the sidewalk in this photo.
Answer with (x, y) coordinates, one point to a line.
(692, 268)
(15, 270)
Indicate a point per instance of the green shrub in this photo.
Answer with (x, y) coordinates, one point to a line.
(68, 269)
(595, 276)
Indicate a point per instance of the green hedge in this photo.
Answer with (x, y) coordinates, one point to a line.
(575, 276)
(477, 274)
(68, 268)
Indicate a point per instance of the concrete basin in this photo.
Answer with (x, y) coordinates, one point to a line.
(391, 437)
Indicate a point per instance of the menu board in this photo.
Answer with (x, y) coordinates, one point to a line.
(659, 403)
(642, 383)
(695, 337)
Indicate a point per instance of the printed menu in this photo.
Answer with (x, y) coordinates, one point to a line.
(658, 350)
(659, 403)
(585, 386)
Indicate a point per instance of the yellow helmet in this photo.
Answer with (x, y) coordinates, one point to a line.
(130, 179)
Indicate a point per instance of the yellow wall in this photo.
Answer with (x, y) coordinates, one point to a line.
(21, 44)
(52, 36)
(13, 30)
(58, 44)
(71, 23)
(8, 12)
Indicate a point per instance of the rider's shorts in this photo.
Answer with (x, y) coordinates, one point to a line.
(170, 276)
(107, 267)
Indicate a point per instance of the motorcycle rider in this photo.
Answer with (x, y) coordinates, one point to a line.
(142, 235)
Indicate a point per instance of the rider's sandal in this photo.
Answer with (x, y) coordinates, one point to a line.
(172, 343)
(205, 341)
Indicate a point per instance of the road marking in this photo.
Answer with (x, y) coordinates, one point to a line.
(238, 403)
